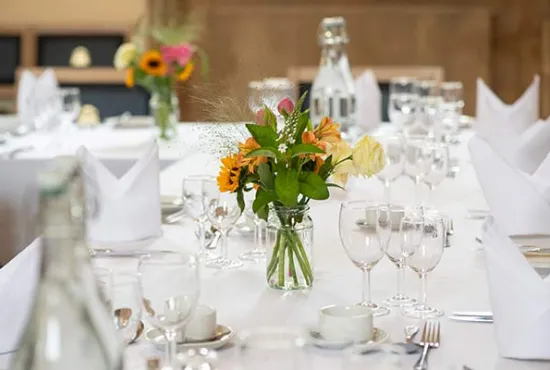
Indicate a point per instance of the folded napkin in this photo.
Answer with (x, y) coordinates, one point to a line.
(18, 281)
(500, 123)
(25, 91)
(127, 208)
(369, 100)
(520, 298)
(531, 148)
(516, 200)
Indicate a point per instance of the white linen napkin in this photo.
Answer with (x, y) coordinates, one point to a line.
(25, 92)
(500, 123)
(520, 298)
(128, 208)
(531, 148)
(18, 281)
(369, 100)
(515, 199)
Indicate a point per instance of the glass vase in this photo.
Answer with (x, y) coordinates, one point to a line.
(289, 248)
(165, 110)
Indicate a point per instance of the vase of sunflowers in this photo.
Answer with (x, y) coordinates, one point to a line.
(158, 71)
(287, 169)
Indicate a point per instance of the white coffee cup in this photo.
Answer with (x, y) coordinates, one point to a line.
(202, 325)
(346, 323)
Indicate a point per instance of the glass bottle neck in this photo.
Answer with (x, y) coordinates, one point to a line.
(333, 55)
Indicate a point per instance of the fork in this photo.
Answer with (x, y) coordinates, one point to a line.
(430, 339)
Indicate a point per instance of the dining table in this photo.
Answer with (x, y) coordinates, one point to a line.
(245, 302)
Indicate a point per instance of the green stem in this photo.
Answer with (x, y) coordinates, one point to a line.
(301, 255)
(274, 259)
(292, 267)
(282, 262)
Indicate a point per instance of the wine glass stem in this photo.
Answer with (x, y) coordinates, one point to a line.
(400, 280)
(417, 189)
(366, 298)
(387, 191)
(423, 296)
(224, 245)
(171, 348)
(202, 236)
(431, 196)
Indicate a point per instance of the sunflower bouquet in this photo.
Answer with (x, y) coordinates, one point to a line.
(288, 168)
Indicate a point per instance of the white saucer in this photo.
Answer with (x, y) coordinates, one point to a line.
(224, 334)
(315, 338)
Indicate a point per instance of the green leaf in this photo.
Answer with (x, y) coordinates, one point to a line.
(331, 185)
(263, 152)
(300, 102)
(306, 149)
(266, 177)
(240, 200)
(287, 186)
(261, 203)
(264, 135)
(270, 119)
(303, 123)
(313, 186)
(324, 171)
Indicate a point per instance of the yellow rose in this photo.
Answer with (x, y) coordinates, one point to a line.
(368, 157)
(124, 55)
(339, 152)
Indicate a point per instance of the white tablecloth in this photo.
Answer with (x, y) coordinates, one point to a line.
(244, 301)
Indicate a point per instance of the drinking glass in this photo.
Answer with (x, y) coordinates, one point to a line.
(429, 99)
(272, 349)
(451, 106)
(395, 255)
(223, 211)
(70, 104)
(423, 241)
(437, 165)
(255, 102)
(415, 162)
(258, 252)
(402, 103)
(170, 287)
(365, 230)
(393, 146)
(126, 305)
(195, 189)
(104, 279)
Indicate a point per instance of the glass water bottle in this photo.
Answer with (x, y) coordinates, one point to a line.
(69, 327)
(333, 90)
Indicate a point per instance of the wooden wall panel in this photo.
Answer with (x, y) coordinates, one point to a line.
(250, 42)
(545, 68)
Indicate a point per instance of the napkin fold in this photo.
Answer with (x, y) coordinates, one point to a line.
(369, 100)
(501, 123)
(520, 298)
(516, 199)
(38, 102)
(127, 209)
(18, 280)
(531, 148)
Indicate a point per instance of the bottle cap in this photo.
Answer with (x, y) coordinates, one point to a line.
(332, 31)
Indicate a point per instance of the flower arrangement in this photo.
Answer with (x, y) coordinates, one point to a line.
(289, 168)
(157, 70)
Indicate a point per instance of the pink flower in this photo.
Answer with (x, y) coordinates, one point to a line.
(260, 117)
(181, 54)
(285, 105)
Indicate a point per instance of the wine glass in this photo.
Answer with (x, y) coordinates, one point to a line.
(255, 91)
(272, 348)
(195, 189)
(402, 102)
(429, 99)
(365, 230)
(223, 211)
(415, 162)
(437, 165)
(451, 106)
(393, 146)
(423, 236)
(70, 104)
(170, 287)
(258, 252)
(126, 305)
(395, 255)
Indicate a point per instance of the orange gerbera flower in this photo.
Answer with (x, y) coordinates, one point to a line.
(328, 131)
(249, 145)
(129, 79)
(151, 62)
(308, 137)
(186, 72)
(230, 173)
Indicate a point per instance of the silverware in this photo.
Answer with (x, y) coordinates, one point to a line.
(430, 339)
(474, 319)
(125, 253)
(410, 332)
(174, 217)
(449, 232)
(214, 242)
(473, 313)
(477, 214)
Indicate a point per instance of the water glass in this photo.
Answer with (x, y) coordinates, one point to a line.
(415, 162)
(255, 102)
(259, 250)
(423, 240)
(70, 104)
(450, 110)
(403, 99)
(365, 231)
(104, 280)
(393, 146)
(126, 305)
(429, 100)
(436, 156)
(272, 349)
(170, 287)
(223, 212)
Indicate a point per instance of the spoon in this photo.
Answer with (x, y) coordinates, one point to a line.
(410, 332)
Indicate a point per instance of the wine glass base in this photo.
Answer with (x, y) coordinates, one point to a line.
(206, 256)
(422, 312)
(224, 264)
(399, 301)
(376, 309)
(253, 255)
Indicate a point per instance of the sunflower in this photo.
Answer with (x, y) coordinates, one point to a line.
(186, 72)
(230, 173)
(151, 63)
(129, 79)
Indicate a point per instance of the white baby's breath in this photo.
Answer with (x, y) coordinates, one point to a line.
(282, 148)
(221, 139)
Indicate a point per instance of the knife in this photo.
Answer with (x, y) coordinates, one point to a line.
(478, 319)
(126, 254)
(487, 314)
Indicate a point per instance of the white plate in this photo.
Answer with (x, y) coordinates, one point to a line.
(315, 338)
(127, 246)
(157, 338)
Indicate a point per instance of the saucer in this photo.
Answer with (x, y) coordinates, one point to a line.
(379, 336)
(223, 333)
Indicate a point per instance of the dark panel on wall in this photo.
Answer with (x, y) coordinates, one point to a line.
(113, 100)
(55, 50)
(9, 58)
